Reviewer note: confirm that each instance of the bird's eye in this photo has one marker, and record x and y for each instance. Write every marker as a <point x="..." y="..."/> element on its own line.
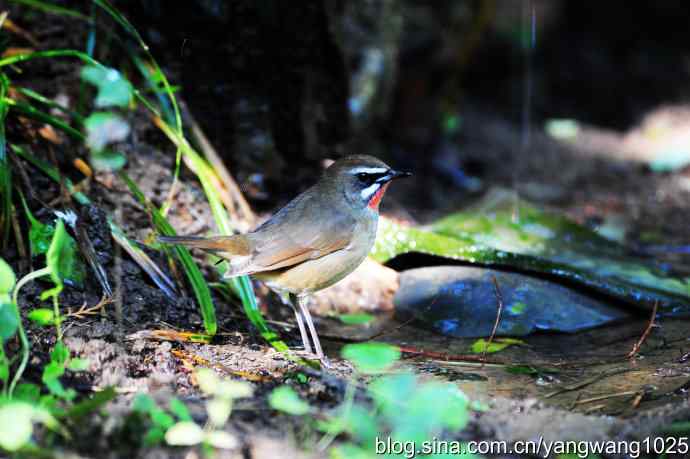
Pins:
<point x="363" y="176"/>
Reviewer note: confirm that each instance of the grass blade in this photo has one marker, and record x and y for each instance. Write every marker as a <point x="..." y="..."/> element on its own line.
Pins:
<point x="5" y="173"/>
<point x="201" y="289"/>
<point x="148" y="265"/>
<point x="52" y="9"/>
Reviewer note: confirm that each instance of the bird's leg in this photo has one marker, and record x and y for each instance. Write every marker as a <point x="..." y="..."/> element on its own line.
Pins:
<point x="293" y="302"/>
<point x="301" y="300"/>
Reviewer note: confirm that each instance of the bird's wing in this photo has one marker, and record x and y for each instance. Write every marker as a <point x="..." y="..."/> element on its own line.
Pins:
<point x="298" y="232"/>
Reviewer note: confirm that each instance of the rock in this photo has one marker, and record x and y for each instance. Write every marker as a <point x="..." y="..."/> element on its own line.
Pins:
<point x="460" y="301"/>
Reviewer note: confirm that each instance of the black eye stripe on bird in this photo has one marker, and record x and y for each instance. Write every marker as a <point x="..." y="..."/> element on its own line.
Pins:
<point x="313" y="242"/>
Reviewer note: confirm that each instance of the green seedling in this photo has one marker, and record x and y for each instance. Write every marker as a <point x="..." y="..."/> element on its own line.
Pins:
<point x="222" y="394"/>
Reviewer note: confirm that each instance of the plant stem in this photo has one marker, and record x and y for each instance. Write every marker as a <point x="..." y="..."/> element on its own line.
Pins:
<point x="22" y="333"/>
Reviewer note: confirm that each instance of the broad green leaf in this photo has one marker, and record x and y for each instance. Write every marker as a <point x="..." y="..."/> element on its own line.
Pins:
<point x="372" y="357"/>
<point x="42" y="316"/>
<point x="356" y="318"/>
<point x="184" y="433"/>
<point x="16" y="425"/>
<point x="540" y="242"/>
<point x="104" y="128"/>
<point x="108" y="160"/>
<point x="285" y="399"/>
<point x="433" y="407"/>
<point x="498" y="344"/>
<point x="9" y="322"/>
<point x="7" y="279"/>
<point x="113" y="89"/>
<point x="388" y="391"/>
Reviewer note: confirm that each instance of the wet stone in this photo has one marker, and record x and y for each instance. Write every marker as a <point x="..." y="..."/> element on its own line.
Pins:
<point x="461" y="301"/>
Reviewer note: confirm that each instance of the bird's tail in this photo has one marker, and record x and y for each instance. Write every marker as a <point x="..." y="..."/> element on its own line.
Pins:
<point x="224" y="246"/>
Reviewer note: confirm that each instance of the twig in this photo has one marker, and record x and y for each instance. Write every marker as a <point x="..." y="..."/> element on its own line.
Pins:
<point x="443" y="356"/>
<point x="636" y="347"/>
<point x="499" y="304"/>
<point x="605" y="397"/>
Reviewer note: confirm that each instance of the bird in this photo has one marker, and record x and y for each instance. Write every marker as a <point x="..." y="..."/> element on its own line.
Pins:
<point x="313" y="242"/>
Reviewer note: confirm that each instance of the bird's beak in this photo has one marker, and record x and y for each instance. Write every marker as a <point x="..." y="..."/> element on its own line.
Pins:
<point x="393" y="174"/>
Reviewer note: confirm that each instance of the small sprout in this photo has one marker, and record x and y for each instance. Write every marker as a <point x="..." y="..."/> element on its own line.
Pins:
<point x="9" y="322"/>
<point x="481" y="345"/>
<point x="42" y="316"/>
<point x="113" y="89"/>
<point x="371" y="358"/>
<point x="356" y="319"/>
<point x="184" y="433"/>
<point x="285" y="399"/>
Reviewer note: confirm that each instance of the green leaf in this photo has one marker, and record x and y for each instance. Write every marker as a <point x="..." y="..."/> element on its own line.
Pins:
<point x="356" y="318"/>
<point x="113" y="89"/>
<point x="9" y="322"/>
<point x="143" y="403"/>
<point x="218" y="410"/>
<point x="184" y="433"/>
<point x="63" y="259"/>
<point x="27" y="392"/>
<point x="59" y="354"/>
<point x="372" y="357"/>
<point x="7" y="278"/>
<point x="40" y="234"/>
<point x="42" y="316"/>
<point x="103" y="128"/>
<point x="16" y="425"/>
<point x="221" y="439"/>
<point x="91" y="404"/>
<point x="539" y="242"/>
<point x="179" y="409"/>
<point x="52" y="372"/>
<point x="234" y="389"/>
<point x="285" y="399"/>
<point x="481" y="345"/>
<point x="161" y="418"/>
<point x="108" y="160"/>
<point x="388" y="391"/>
<point x="434" y="406"/>
<point x="78" y="364"/>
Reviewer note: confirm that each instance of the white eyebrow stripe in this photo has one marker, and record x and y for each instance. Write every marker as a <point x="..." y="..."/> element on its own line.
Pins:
<point x="368" y="170"/>
<point x="369" y="191"/>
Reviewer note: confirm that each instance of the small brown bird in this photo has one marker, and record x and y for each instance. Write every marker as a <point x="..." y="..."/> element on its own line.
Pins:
<point x="313" y="242"/>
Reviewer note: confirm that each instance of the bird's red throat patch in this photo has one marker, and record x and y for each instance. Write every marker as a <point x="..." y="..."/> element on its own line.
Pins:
<point x="376" y="198"/>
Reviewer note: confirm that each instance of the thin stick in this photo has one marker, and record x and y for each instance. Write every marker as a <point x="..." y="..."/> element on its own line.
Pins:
<point x="636" y="347"/>
<point x="442" y="356"/>
<point x="499" y="304"/>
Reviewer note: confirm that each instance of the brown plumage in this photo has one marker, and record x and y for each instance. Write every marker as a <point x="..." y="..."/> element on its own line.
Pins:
<point x="316" y="240"/>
